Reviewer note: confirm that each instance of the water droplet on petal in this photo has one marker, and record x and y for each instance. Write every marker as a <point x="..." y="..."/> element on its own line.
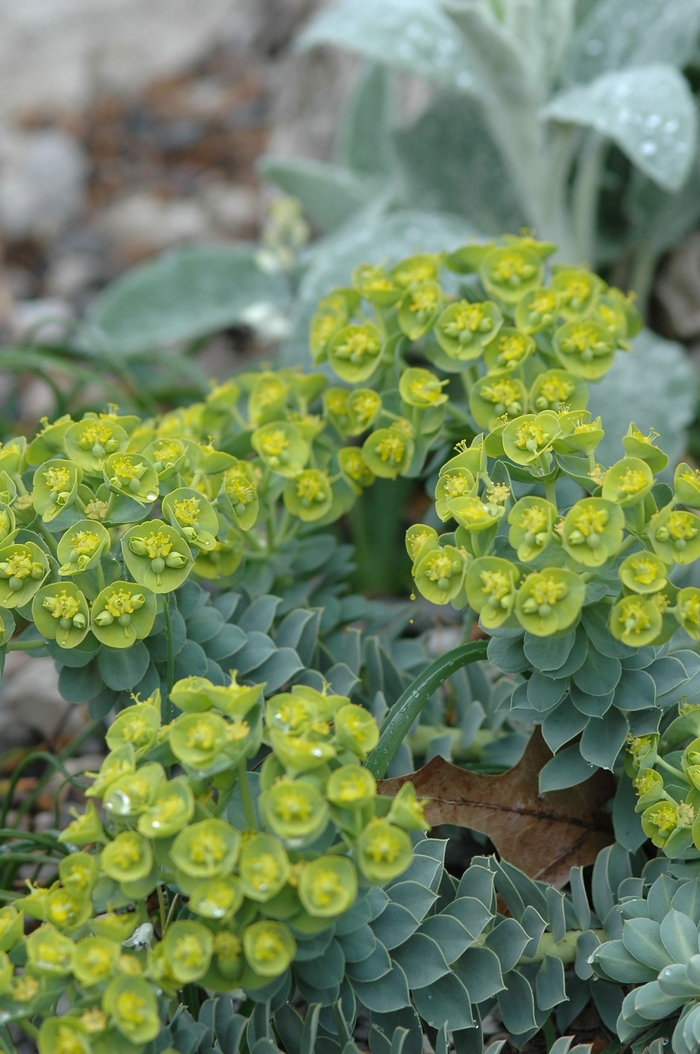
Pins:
<point x="648" y="148"/>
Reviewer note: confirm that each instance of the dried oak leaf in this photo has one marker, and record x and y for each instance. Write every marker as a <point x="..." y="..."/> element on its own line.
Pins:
<point x="542" y="834"/>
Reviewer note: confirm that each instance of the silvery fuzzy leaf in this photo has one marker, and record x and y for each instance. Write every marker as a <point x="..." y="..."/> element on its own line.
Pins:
<point x="329" y="194"/>
<point x="412" y="35"/>
<point x="648" y="111"/>
<point x="620" y="33"/>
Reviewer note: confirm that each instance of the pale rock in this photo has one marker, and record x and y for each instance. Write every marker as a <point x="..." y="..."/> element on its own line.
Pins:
<point x="42" y="182"/>
<point x="143" y="219"/>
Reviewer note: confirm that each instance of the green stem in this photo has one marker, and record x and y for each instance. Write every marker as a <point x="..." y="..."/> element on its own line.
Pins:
<point x="248" y="807"/>
<point x="565" y="949"/>
<point x="672" y="769"/>
<point x="161" y="909"/>
<point x="170" y="675"/>
<point x="407" y="707"/>
<point x="584" y="203"/>
<point x="550" y="492"/>
<point x="26" y="645"/>
<point x="100" y="575"/>
<point x="27" y="1027"/>
<point x="47" y="536"/>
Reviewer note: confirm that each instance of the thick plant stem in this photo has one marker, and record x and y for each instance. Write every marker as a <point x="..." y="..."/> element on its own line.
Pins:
<point x="565" y="949"/>
<point x="26" y="645"/>
<point x="248" y="807"/>
<point x="407" y="707"/>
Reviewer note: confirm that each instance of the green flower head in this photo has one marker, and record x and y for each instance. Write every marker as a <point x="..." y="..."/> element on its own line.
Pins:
<point x="531" y="524"/>
<point x="188" y="948"/>
<point x="490" y="585"/>
<point x="628" y="482"/>
<point x="216" y="898"/>
<point x="122" y="613"/>
<point x="132" y="1008"/>
<point x="238" y="495"/>
<point x="269" y="948"/>
<point x="118" y="927"/>
<point x="407" y="810"/>
<point x="119" y="762"/>
<point x="170" y="811"/>
<point x="50" y="952"/>
<point x="638" y="445"/>
<point x="167" y="455"/>
<point x="55" y="487"/>
<point x="382" y="851"/>
<point x="95" y="960"/>
<point x="295" y="811"/>
<point x="90" y="441"/>
<point x="497" y="397"/>
<point x="65" y="1034"/>
<point x="549" y="601"/>
<point x="388" y="452"/>
<point x="528" y="438"/>
<point x="649" y="786"/>
<point x="377" y="285"/>
<point x="22" y="570"/>
<point x="355" y="352"/>
<point x="421" y="388"/>
<point x="577" y="291"/>
<point x="263" y="867"/>
<point x="508" y="350"/>
<point x="328" y="886"/>
<point x="130" y="795"/>
<point x="356" y="729"/>
<point x="510" y="272"/>
<point x="132" y="475"/>
<point x="11" y="927"/>
<point x="206" y="849"/>
<point x="7" y="522"/>
<point x="268" y="396"/>
<point x="618" y="313"/>
<point x="67" y="910"/>
<point x="687" y="611"/>
<point x="537" y="309"/>
<point x="675" y="535"/>
<point x="586" y="348"/>
<point x="580" y="434"/>
<point x="128" y="858"/>
<point x="558" y="390"/>
<point x="592" y="531"/>
<point x="414" y="270"/>
<point x="635" y="620"/>
<point x="193" y="516"/>
<point x="420" y="539"/>
<point x="137" y="724"/>
<point x="81" y="547"/>
<point x="78" y="872"/>
<point x="281" y="447"/>
<point x="223" y="559"/>
<point x="354" y="469"/>
<point x="157" y="556"/>
<point x="351" y="787"/>
<point x="475" y="514"/>
<point x="309" y="495"/>
<point x="643" y="572"/>
<point x="439" y="573"/>
<point x="84" y="829"/>
<point x="61" y="613"/>
<point x="420" y="308"/>
<point x="303" y="752"/>
<point x="686" y="484"/>
<point x="464" y="329"/>
<point x="452" y="485"/>
<point x="659" y="821"/>
<point x="332" y="313"/>
<point x="197" y="739"/>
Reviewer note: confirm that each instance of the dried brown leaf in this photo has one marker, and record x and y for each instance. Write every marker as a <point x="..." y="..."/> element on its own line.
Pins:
<point x="544" y="835"/>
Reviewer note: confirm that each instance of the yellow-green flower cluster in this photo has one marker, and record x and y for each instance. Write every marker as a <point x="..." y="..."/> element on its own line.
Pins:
<point x="665" y="772"/>
<point x="246" y="867"/>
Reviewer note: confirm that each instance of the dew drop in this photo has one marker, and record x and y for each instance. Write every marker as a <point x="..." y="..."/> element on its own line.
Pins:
<point x="653" y="121"/>
<point x="670" y="127"/>
<point x="648" y="148"/>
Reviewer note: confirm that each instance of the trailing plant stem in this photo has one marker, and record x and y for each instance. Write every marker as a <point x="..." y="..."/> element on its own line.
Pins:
<point x="407" y="707"/>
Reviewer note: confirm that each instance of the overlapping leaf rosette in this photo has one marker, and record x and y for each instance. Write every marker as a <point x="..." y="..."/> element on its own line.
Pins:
<point x="194" y="870"/>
